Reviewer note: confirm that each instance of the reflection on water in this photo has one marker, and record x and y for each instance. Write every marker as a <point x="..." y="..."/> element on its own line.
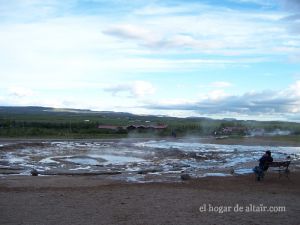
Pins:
<point x="135" y="160"/>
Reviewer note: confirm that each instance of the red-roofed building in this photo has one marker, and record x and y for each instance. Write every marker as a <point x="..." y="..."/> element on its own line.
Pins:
<point x="109" y="127"/>
<point x="133" y="127"/>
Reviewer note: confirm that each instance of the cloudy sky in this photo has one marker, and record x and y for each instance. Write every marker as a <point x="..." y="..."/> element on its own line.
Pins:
<point x="230" y="58"/>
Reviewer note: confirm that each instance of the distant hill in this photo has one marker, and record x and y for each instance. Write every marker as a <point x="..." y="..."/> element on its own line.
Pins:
<point x="15" y="111"/>
<point x="45" y="121"/>
<point x="37" y="110"/>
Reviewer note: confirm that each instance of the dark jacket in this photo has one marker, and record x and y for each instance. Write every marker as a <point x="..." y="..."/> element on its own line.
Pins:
<point x="263" y="162"/>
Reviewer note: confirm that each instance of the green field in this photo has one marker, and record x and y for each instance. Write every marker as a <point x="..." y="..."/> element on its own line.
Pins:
<point x="33" y="122"/>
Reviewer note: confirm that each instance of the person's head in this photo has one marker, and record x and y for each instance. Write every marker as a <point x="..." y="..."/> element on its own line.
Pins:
<point x="268" y="153"/>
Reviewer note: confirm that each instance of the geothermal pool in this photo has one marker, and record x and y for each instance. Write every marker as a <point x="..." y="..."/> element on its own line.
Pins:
<point x="134" y="160"/>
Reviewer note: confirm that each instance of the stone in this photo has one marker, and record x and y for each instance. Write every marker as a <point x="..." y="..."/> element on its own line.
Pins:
<point x="34" y="172"/>
<point x="150" y="170"/>
<point x="185" y="176"/>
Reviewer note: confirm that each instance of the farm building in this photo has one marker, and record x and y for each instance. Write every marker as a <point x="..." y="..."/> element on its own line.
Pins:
<point x="133" y="127"/>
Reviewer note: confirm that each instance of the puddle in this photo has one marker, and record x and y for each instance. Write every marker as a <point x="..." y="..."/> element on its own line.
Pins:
<point x="216" y="175"/>
<point x="243" y="171"/>
<point x="83" y="161"/>
<point x="12" y="159"/>
<point x="117" y="159"/>
<point x="82" y="168"/>
<point x="48" y="160"/>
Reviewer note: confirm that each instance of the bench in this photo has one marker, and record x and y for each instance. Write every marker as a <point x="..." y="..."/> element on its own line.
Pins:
<point x="281" y="166"/>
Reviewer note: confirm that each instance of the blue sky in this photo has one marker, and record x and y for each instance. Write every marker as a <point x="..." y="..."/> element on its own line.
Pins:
<point x="232" y="58"/>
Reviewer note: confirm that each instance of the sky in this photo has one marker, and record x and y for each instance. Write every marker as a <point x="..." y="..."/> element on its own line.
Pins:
<point x="219" y="59"/>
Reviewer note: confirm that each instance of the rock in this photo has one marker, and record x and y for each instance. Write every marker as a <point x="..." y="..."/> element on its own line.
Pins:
<point x="176" y="168"/>
<point x="134" y="164"/>
<point x="185" y="177"/>
<point x="145" y="171"/>
<point x="34" y="172"/>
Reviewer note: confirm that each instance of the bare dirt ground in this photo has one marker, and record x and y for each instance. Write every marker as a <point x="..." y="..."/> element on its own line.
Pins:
<point x="96" y="200"/>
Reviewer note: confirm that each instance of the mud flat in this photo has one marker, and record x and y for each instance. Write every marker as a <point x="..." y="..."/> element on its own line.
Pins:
<point x="250" y="140"/>
<point x="136" y="160"/>
<point x="94" y="200"/>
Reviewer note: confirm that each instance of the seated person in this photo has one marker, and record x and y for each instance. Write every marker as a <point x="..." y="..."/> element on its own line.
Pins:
<point x="263" y="165"/>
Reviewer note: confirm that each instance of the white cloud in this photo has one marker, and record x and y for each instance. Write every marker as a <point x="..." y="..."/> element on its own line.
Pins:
<point x="69" y="49"/>
<point x="134" y="89"/>
<point x="221" y="84"/>
<point x="55" y="50"/>
<point x="242" y="33"/>
<point x="129" y="31"/>
<point x="73" y="48"/>
<point x="295" y="89"/>
<point x="20" y="92"/>
<point x="216" y="95"/>
<point x="268" y="104"/>
<point x="214" y="89"/>
<point x="217" y="102"/>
